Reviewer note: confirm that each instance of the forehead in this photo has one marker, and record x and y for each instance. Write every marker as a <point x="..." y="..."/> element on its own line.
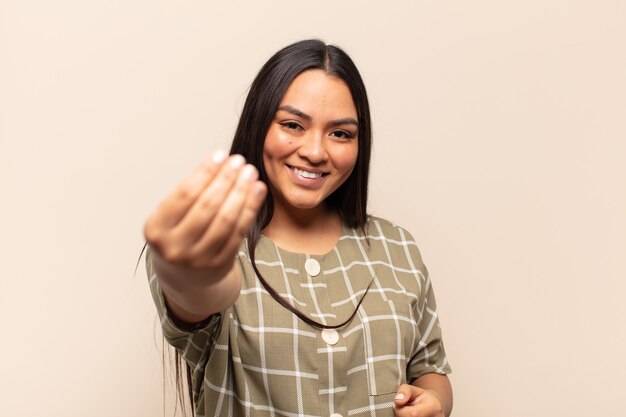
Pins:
<point x="319" y="94"/>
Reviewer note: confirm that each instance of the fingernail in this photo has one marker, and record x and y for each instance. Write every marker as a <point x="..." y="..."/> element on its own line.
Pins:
<point x="219" y="156"/>
<point x="237" y="161"/>
<point x="400" y="396"/>
<point x="248" y="172"/>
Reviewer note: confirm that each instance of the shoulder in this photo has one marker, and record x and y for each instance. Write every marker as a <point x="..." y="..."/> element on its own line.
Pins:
<point x="261" y="246"/>
<point x="378" y="226"/>
<point x="395" y="239"/>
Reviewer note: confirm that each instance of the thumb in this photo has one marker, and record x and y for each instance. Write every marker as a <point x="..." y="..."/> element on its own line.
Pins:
<point x="405" y="394"/>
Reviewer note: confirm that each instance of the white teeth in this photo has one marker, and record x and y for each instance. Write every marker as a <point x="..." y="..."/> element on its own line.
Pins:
<point x="306" y="174"/>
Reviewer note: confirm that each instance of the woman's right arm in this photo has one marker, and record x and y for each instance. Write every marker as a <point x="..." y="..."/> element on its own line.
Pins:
<point x="195" y="234"/>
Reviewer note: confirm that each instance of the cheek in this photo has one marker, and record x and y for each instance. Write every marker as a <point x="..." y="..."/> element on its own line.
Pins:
<point x="271" y="148"/>
<point x="277" y="145"/>
<point x="345" y="158"/>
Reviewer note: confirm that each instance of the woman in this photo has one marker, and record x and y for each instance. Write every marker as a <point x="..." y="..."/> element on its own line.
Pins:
<point x="281" y="294"/>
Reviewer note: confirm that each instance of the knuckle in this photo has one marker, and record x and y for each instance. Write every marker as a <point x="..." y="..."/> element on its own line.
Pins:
<point x="229" y="219"/>
<point x="152" y="233"/>
<point x="207" y="204"/>
<point x="174" y="254"/>
<point x="185" y="192"/>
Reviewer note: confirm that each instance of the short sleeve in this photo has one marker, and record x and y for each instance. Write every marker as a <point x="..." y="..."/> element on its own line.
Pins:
<point x="193" y="342"/>
<point x="430" y="355"/>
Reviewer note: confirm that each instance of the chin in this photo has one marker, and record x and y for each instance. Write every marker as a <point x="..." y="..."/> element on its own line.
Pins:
<point x="304" y="203"/>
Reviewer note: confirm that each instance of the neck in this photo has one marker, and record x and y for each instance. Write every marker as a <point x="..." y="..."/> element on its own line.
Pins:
<point x="313" y="231"/>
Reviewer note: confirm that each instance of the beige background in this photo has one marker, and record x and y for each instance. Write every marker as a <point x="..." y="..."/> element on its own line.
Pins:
<point x="499" y="142"/>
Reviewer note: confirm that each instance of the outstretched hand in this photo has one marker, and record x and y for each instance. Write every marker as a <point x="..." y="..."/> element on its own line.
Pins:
<point x="202" y="223"/>
<point x="412" y="401"/>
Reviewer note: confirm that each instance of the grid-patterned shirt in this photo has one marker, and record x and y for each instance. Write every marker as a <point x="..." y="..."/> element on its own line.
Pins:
<point x="258" y="359"/>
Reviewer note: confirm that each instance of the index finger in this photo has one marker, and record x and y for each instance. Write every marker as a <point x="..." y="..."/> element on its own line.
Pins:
<point x="176" y="205"/>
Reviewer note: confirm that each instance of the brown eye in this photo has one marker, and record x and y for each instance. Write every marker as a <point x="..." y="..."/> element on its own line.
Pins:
<point x="342" y="134"/>
<point x="291" y="125"/>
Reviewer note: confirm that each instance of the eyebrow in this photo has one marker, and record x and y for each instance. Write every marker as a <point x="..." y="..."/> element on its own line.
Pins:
<point x="336" y="122"/>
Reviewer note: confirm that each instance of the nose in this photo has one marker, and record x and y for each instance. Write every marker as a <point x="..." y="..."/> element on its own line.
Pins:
<point x="313" y="148"/>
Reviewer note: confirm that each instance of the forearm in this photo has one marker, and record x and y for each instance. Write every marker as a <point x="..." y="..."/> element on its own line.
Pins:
<point x="193" y="294"/>
<point x="440" y="386"/>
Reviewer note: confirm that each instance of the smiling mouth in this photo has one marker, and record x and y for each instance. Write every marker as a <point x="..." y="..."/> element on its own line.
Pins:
<point x="306" y="174"/>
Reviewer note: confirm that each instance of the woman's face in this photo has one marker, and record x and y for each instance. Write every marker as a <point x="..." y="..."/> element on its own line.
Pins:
<point x="311" y="146"/>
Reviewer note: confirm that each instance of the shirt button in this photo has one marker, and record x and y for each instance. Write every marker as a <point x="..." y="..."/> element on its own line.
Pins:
<point x="336" y="415"/>
<point x="312" y="267"/>
<point x="330" y="336"/>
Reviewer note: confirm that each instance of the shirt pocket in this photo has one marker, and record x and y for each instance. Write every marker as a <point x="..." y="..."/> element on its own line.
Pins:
<point x="390" y="332"/>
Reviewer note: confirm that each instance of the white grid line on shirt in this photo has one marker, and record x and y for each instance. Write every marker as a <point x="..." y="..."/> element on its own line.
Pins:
<point x="396" y="318"/>
<point x="253" y="290"/>
<point x="370" y="263"/>
<point x="366" y="327"/>
<point x="262" y="329"/>
<point x="372" y="407"/>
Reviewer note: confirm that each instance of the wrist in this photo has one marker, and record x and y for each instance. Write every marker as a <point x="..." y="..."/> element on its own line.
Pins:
<point x="182" y="278"/>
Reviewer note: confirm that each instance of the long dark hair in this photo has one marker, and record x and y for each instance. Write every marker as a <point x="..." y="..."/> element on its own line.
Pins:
<point x="265" y="95"/>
